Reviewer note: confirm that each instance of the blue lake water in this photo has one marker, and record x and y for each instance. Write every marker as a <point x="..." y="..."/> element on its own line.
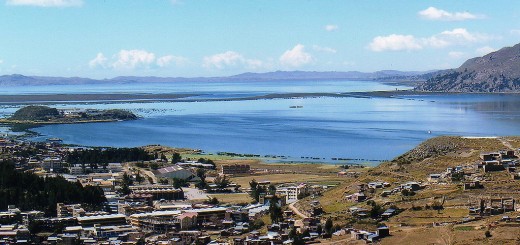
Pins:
<point x="324" y="127"/>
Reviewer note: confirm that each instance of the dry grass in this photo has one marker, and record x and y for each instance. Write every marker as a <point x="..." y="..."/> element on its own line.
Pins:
<point x="286" y="178"/>
<point x="233" y="198"/>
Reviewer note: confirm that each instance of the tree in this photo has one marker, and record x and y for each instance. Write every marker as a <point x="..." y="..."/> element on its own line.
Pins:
<point x="178" y="183"/>
<point x="272" y="189"/>
<point x="213" y="201"/>
<point x="275" y="212"/>
<point x="139" y="178"/>
<point x="163" y="157"/>
<point x="376" y="210"/>
<point x="222" y="181"/>
<point x="154" y="166"/>
<point x="328" y="226"/>
<point x="176" y="157"/>
<point x="201" y="173"/>
<point x="125" y="184"/>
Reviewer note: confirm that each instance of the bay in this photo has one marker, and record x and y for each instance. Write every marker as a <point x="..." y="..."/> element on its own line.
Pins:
<point x="327" y="128"/>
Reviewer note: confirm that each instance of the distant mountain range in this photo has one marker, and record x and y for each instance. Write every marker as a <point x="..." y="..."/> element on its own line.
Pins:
<point x="495" y="72"/>
<point x="387" y="75"/>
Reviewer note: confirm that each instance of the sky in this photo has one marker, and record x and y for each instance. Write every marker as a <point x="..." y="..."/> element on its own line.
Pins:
<point x="191" y="38"/>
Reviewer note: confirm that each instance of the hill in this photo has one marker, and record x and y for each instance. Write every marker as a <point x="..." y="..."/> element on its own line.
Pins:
<point x="45" y="114"/>
<point x="495" y="72"/>
<point x="19" y="80"/>
<point x="38" y="113"/>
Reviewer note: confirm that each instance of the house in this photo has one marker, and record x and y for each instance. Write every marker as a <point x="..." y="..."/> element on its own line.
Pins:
<point x="472" y="185"/>
<point x="388" y="213"/>
<point x="356" y="197"/>
<point x="434" y="178"/>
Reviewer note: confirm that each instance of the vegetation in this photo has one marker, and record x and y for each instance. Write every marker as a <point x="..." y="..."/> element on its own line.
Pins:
<point x="201" y="173"/>
<point x="29" y="192"/>
<point x="40" y="114"/>
<point x="103" y="156"/>
<point x="176" y="157"/>
<point x="125" y="184"/>
<point x="37" y="113"/>
<point x="256" y="190"/>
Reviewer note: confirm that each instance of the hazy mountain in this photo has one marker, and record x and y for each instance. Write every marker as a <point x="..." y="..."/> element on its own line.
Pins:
<point x="495" y="72"/>
<point x="16" y="79"/>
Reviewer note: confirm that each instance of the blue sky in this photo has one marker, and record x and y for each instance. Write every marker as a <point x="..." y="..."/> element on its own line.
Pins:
<point x="108" y="38"/>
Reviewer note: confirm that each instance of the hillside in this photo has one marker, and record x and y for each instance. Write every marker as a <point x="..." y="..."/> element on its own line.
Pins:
<point x="19" y="80"/>
<point x="495" y="72"/>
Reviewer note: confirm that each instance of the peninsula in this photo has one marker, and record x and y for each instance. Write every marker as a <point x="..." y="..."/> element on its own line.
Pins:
<point x="38" y="115"/>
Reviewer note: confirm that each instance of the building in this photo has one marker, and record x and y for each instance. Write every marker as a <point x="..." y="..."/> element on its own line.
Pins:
<point x="232" y="169"/>
<point x="158" y="192"/>
<point x="69" y="210"/>
<point x="161" y="222"/>
<point x="292" y="192"/>
<point x="175" y="172"/>
<point x="111" y="219"/>
<point x="52" y="164"/>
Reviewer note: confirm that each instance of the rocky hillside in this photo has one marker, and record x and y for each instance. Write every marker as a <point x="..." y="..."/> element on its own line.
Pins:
<point x="495" y="72"/>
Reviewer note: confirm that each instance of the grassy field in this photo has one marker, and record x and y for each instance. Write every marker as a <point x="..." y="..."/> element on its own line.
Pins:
<point x="233" y="198"/>
<point x="287" y="178"/>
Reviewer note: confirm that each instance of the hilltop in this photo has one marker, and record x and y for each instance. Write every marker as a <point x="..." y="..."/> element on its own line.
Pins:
<point x="495" y="72"/>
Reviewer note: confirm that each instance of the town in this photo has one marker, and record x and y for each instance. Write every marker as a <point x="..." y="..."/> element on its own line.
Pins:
<point x="159" y="195"/>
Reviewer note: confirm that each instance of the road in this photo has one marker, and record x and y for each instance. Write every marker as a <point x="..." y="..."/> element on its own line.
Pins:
<point x="296" y="211"/>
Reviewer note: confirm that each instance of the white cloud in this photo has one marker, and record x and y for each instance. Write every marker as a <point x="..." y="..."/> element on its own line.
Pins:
<point x="168" y="59"/>
<point x="324" y="49"/>
<point x="1" y="62"/>
<point x="222" y="60"/>
<point x="462" y="35"/>
<point x="130" y="59"/>
<point x="135" y="58"/>
<point x="331" y="27"/>
<point x="230" y="59"/>
<point x="46" y="3"/>
<point x="394" y="42"/>
<point x="433" y="13"/>
<point x="296" y="57"/>
<point x="456" y="54"/>
<point x="100" y="60"/>
<point x="485" y="50"/>
<point x="397" y="42"/>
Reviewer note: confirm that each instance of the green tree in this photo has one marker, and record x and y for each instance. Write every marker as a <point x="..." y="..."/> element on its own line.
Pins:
<point x="275" y="211"/>
<point x="139" y="178"/>
<point x="201" y="173"/>
<point x="126" y="182"/>
<point x="163" y="157"/>
<point x="178" y="183"/>
<point x="176" y="157"/>
<point x="328" y="226"/>
<point x="222" y="181"/>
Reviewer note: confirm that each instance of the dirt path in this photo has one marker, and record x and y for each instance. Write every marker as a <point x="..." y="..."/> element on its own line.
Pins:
<point x="296" y="211"/>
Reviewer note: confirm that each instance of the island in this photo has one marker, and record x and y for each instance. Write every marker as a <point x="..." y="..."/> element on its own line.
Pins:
<point x="38" y="115"/>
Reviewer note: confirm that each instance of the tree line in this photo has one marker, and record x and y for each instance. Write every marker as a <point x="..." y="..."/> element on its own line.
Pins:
<point x="107" y="155"/>
<point x="28" y="191"/>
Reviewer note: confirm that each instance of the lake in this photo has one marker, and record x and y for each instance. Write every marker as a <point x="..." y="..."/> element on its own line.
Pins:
<point x="319" y="127"/>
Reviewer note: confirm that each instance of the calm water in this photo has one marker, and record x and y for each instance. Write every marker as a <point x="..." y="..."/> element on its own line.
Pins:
<point x="356" y="128"/>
